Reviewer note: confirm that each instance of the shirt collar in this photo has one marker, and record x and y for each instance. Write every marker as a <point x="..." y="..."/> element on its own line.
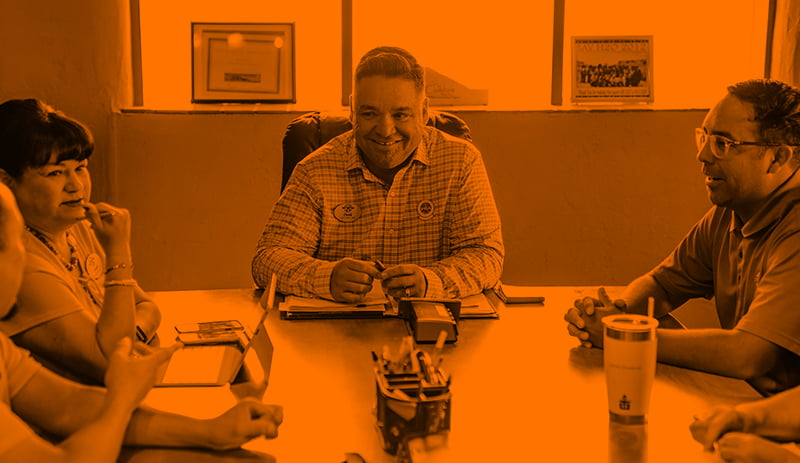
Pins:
<point x="420" y="155"/>
<point x="783" y="199"/>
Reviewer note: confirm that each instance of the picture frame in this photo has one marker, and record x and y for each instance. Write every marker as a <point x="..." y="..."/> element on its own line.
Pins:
<point x="243" y="63"/>
<point x="612" y="69"/>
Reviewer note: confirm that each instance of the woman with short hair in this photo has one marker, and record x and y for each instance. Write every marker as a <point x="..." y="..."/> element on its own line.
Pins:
<point x="78" y="298"/>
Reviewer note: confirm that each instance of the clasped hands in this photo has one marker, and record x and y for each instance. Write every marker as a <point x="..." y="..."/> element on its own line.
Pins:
<point x="584" y="319"/>
<point x="726" y="429"/>
<point x="351" y="280"/>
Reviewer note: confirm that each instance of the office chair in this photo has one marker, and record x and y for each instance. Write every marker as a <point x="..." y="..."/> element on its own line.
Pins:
<point x="309" y="131"/>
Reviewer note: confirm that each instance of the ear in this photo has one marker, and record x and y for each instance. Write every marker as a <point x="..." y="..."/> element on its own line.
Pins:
<point x="352" y="111"/>
<point x="425" y="110"/>
<point x="782" y="155"/>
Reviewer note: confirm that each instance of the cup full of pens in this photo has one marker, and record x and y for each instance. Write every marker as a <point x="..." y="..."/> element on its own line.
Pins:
<point x="413" y="393"/>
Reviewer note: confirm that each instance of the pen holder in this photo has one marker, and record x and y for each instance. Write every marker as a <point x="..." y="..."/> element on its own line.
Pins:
<point x="410" y="405"/>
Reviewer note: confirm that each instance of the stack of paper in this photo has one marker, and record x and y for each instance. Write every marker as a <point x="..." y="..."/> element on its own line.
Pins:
<point x="374" y="305"/>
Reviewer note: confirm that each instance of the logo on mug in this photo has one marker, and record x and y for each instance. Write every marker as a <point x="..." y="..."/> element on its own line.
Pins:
<point x="624" y="403"/>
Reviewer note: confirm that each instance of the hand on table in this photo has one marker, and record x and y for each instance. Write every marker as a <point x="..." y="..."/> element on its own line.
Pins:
<point x="584" y="320"/>
<point x="352" y="279"/>
<point x="247" y="420"/>
<point x="711" y="426"/>
<point x="741" y="447"/>
<point x="404" y="280"/>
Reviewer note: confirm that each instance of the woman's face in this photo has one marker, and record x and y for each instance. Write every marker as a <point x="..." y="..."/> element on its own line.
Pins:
<point x="52" y="197"/>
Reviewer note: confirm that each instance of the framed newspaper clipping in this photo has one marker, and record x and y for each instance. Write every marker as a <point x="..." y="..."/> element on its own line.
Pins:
<point x="612" y="69"/>
<point x="243" y="63"/>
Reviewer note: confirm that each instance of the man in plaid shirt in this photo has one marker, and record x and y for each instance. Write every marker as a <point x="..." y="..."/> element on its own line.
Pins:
<point x="391" y="200"/>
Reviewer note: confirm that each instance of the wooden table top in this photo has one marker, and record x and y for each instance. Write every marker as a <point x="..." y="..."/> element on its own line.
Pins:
<point x="523" y="390"/>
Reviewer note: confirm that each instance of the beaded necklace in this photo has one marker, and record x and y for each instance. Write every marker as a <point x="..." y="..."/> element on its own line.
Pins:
<point x="73" y="259"/>
<point x="86" y="281"/>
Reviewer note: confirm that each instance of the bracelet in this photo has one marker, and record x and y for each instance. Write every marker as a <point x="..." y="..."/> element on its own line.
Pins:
<point x="130" y="282"/>
<point x="118" y="267"/>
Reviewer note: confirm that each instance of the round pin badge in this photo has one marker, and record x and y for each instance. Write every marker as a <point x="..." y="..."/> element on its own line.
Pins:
<point x="94" y="266"/>
<point x="347" y="212"/>
<point x="425" y="209"/>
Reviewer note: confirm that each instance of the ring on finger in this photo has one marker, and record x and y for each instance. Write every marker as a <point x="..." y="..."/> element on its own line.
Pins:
<point x="407" y="290"/>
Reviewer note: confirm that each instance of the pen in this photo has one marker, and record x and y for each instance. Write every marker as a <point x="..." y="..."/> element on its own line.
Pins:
<point x="437" y="350"/>
<point x="425" y="366"/>
<point x="379" y="265"/>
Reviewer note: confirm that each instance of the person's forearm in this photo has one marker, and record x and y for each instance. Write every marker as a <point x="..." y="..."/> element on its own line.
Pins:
<point x="101" y="439"/>
<point x="148" y="318"/>
<point x="636" y="293"/>
<point x="710" y="350"/>
<point x="295" y="271"/>
<point x="118" y="317"/>
<point x="777" y="417"/>
<point x="156" y="428"/>
<point x="469" y="271"/>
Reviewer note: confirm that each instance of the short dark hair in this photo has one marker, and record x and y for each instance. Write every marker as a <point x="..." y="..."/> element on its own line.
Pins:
<point x="391" y="62"/>
<point x="777" y="108"/>
<point x="31" y="132"/>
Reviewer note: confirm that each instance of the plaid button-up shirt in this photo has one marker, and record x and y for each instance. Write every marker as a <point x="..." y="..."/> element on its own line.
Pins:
<point x="439" y="213"/>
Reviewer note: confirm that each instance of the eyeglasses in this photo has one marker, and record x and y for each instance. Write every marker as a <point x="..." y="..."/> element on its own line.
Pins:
<point x="720" y="145"/>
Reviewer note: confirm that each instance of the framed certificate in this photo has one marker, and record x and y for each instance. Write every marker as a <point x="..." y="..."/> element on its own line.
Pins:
<point x="243" y="63"/>
<point x="615" y="69"/>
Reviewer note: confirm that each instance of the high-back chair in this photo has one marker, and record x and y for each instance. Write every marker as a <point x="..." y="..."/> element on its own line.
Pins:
<point x="308" y="132"/>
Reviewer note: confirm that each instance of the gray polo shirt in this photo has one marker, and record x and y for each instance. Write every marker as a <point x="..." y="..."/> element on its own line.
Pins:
<point x="753" y="272"/>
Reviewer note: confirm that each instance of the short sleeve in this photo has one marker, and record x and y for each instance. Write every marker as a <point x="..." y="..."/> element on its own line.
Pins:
<point x="43" y="297"/>
<point x="15" y="431"/>
<point x="16" y="369"/>
<point x="774" y="313"/>
<point x="688" y="271"/>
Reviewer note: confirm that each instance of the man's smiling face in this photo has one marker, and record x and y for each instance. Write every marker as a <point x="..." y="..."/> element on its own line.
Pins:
<point x="389" y="116"/>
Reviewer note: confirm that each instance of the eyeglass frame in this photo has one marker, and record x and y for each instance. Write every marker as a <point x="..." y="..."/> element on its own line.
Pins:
<point x="699" y="133"/>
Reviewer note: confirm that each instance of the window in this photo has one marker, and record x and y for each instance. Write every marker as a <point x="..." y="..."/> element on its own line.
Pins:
<point x="503" y="46"/>
<point x="699" y="47"/>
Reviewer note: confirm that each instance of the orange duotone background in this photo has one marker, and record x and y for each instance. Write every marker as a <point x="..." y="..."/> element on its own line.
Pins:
<point x="586" y="198"/>
<point x="504" y="46"/>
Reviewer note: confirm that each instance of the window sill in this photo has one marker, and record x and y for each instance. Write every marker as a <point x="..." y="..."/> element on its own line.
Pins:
<point x="264" y="108"/>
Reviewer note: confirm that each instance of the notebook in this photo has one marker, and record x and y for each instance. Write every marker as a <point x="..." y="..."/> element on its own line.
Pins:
<point x="218" y="364"/>
<point x="374" y="305"/>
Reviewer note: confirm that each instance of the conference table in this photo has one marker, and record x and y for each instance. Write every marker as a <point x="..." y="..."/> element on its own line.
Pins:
<point x="522" y="389"/>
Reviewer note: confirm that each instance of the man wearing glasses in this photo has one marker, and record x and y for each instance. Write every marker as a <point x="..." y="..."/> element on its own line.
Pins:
<point x="745" y="252"/>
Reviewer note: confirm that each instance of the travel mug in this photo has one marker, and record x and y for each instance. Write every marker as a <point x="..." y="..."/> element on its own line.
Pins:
<point x="629" y="359"/>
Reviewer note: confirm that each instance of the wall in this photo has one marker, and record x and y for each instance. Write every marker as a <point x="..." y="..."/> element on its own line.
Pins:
<point x="75" y="56"/>
<point x="585" y="197"/>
